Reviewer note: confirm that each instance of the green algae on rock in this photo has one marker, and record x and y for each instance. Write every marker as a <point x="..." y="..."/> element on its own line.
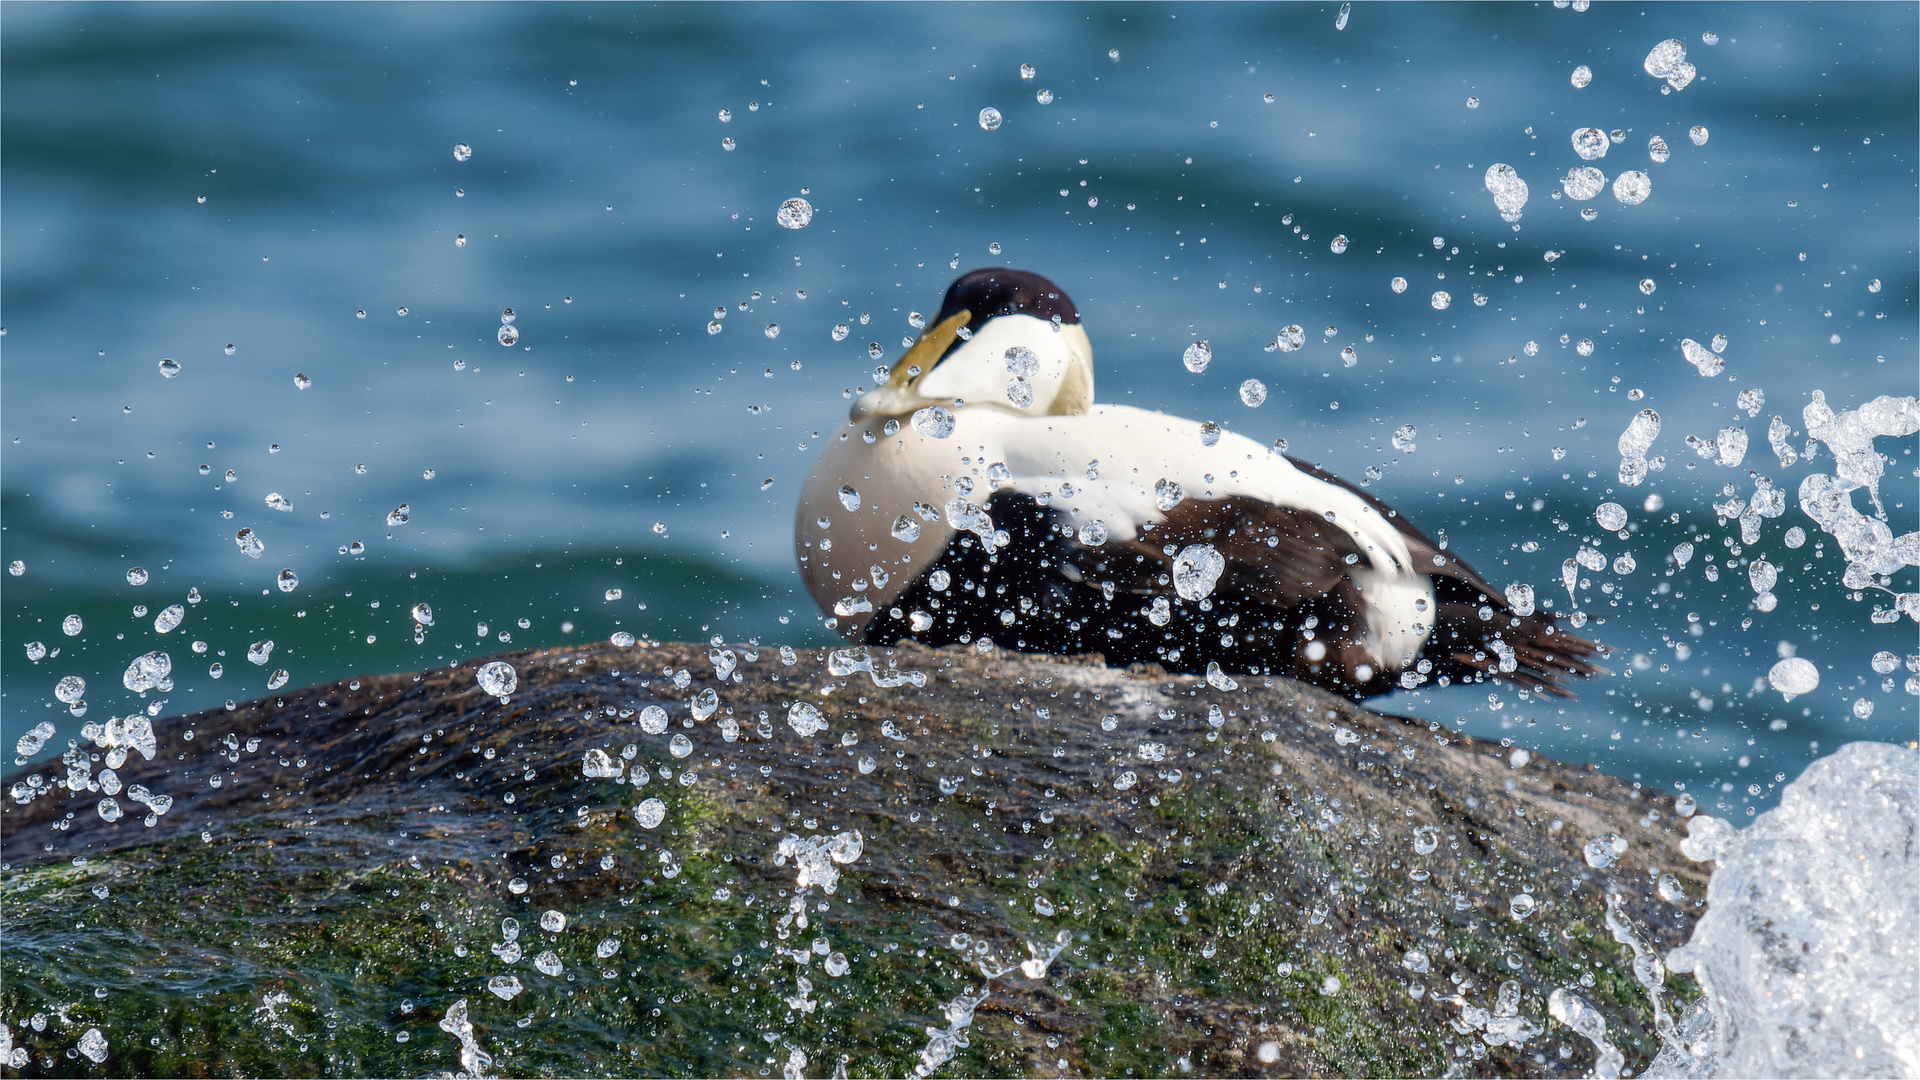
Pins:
<point x="980" y="864"/>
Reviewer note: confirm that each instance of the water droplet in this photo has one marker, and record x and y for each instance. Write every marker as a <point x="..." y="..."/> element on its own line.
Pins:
<point x="93" y="1045"/>
<point x="1209" y="433"/>
<point x="933" y="421"/>
<point x="795" y="214"/>
<point x="1340" y="20"/>
<point x="1398" y="284"/>
<point x="462" y="152"/>
<point x="1708" y="362"/>
<point x="1167" y="494"/>
<point x="71" y="626"/>
<point x="278" y="679"/>
<point x="1582" y="77"/>
<point x="650" y="813"/>
<point x="70" y="689"/>
<point x="288" y="581"/>
<point x="1509" y="191"/>
<point x="1647" y="286"/>
<point x="136" y="576"/>
<point x="805" y="720"/>
<point x="905" y="529"/>
<point x="1349" y="357"/>
<point x="1253" y="393"/>
<point x="1794" y="676"/>
<point x="1339" y="244"/>
<point x="728" y="144"/>
<point x="849" y="498"/>
<point x="1584" y="347"/>
<point x="1670" y="889"/>
<point x="497" y="678"/>
<point x="169" y="368"/>
<point x="1520" y="599"/>
<point x="1425" y="839"/>
<point x="147" y="672"/>
<point x="993" y="248"/>
<point x="1020" y="392"/>
<point x="1441" y="300"/>
<point x="773" y="330"/>
<point x="1698" y="133"/>
<point x="1521" y="905"/>
<point x="1044" y="97"/>
<point x="1291" y="338"/>
<point x="1632" y="187"/>
<point x="1666" y="59"/>
<point x="1583" y="183"/>
<point x="989" y="119"/>
<point x="1196" y="569"/>
<point x="509" y="335"/>
<point x="1604" y="850"/>
<point x="1026" y="71"/>
<point x="1197" y="356"/>
<point x="399" y="515"/>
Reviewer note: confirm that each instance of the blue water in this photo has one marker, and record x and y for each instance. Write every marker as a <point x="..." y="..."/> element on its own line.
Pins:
<point x="600" y="205"/>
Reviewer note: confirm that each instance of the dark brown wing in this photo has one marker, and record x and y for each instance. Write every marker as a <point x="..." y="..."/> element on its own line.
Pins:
<point x="1545" y="656"/>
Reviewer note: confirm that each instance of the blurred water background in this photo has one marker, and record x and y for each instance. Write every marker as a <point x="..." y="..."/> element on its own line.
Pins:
<point x="232" y="186"/>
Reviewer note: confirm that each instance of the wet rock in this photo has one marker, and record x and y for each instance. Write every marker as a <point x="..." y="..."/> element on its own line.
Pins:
<point x="1237" y="897"/>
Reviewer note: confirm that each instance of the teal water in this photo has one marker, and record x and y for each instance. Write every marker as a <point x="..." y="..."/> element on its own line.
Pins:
<point x="600" y="205"/>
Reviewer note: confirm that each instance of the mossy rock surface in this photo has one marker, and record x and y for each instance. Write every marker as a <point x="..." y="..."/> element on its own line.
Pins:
<point x="345" y="883"/>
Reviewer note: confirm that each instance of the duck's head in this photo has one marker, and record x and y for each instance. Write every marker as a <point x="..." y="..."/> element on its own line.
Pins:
<point x="1009" y="339"/>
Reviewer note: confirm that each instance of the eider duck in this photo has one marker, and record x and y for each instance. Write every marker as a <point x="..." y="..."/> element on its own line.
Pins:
<point x="980" y="493"/>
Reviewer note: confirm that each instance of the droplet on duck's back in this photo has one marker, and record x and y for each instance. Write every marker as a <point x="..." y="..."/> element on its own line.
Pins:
<point x="1019" y="392"/>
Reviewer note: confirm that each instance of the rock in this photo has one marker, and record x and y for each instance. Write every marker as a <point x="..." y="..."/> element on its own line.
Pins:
<point x="1241" y="902"/>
